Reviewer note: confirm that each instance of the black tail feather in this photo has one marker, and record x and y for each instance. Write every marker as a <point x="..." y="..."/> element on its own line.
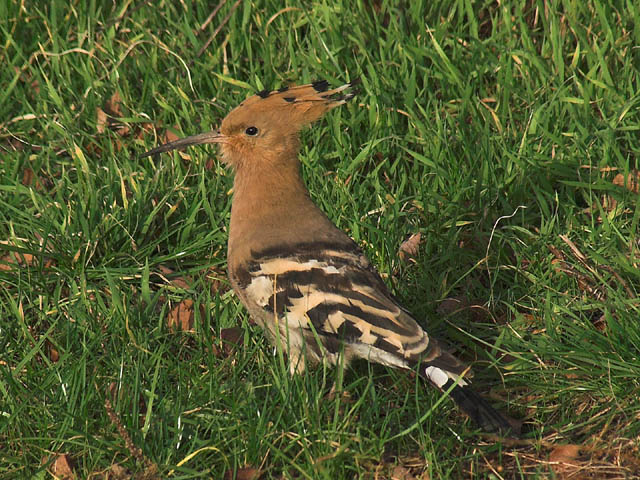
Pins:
<point x="483" y="414"/>
<point x="479" y="410"/>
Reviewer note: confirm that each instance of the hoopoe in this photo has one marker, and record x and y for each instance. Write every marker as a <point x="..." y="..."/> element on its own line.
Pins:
<point x="302" y="279"/>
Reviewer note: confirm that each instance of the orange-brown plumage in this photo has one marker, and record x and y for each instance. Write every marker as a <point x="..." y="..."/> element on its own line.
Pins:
<point x="301" y="278"/>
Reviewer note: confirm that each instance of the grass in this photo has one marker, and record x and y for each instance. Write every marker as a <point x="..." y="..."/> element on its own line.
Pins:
<point x="507" y="135"/>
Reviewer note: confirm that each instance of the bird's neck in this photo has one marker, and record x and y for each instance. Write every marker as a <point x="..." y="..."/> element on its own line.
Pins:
<point x="260" y="198"/>
<point x="272" y="208"/>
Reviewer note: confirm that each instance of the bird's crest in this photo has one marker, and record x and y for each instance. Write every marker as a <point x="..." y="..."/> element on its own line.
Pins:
<point x="311" y="100"/>
<point x="302" y="104"/>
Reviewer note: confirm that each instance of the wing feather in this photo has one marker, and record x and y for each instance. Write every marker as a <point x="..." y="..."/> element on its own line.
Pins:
<point x="338" y="295"/>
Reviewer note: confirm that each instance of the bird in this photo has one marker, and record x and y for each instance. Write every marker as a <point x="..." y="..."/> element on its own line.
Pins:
<point x="302" y="279"/>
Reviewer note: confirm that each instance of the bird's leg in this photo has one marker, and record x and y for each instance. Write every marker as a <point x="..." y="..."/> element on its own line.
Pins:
<point x="297" y="364"/>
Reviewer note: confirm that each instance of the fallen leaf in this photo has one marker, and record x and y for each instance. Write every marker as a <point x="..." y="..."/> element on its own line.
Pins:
<point x="565" y="461"/>
<point x="401" y="473"/>
<point x="244" y="473"/>
<point x="231" y="339"/>
<point x="557" y="253"/>
<point x="117" y="472"/>
<point x="216" y="279"/>
<point x="565" y="453"/>
<point x="54" y="356"/>
<point x="123" y="130"/>
<point x="182" y="281"/>
<point x="113" y="105"/>
<point x="16" y="258"/>
<point x="598" y="320"/>
<point x="609" y="204"/>
<point x="410" y="247"/>
<point x="181" y="316"/>
<point x="27" y="177"/>
<point x="143" y="129"/>
<point x="560" y="266"/>
<point x="26" y="77"/>
<point x="102" y="120"/>
<point x="15" y="144"/>
<point x="169" y="136"/>
<point x="631" y="182"/>
<point x="62" y="469"/>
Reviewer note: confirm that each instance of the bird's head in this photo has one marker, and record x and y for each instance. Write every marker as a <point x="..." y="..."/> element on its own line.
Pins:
<point x="264" y="127"/>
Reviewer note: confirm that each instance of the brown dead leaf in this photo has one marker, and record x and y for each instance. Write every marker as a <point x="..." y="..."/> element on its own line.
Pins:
<point x="244" y="473"/>
<point x="557" y="253"/>
<point x="400" y="468"/>
<point x="122" y="130"/>
<point x="460" y="303"/>
<point x="16" y="258"/>
<point x="169" y="136"/>
<point x="182" y="281"/>
<point x="215" y="277"/>
<point x="599" y="321"/>
<point x="410" y="247"/>
<point x="25" y="259"/>
<point x="565" y="457"/>
<point x="14" y="144"/>
<point x="54" y="356"/>
<point x="560" y="266"/>
<point x="230" y="339"/>
<point x="181" y="316"/>
<point x="143" y="130"/>
<point x="607" y="203"/>
<point x="401" y="473"/>
<point x="27" y="77"/>
<point x="117" y="472"/>
<point x="102" y="121"/>
<point x="114" y="105"/>
<point x="113" y="108"/>
<point x="62" y="467"/>
<point x="631" y="182"/>
<point x="27" y="177"/>
<point x="565" y="461"/>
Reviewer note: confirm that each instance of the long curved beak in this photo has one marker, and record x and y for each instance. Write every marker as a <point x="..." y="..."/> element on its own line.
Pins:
<point x="202" y="138"/>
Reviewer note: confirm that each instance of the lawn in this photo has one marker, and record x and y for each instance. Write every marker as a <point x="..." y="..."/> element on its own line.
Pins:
<point x="506" y="134"/>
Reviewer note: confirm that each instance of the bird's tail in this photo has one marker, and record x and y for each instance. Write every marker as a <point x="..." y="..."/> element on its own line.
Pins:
<point x="483" y="414"/>
<point x="478" y="409"/>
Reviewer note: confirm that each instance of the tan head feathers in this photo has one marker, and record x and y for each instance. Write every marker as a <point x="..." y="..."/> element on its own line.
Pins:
<point x="268" y="117"/>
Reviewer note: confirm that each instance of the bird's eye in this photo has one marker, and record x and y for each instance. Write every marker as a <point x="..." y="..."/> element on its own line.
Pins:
<point x="251" y="131"/>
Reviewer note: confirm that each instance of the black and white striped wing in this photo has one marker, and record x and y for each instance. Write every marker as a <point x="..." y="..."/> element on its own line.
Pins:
<point x="335" y="295"/>
<point x="334" y="302"/>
